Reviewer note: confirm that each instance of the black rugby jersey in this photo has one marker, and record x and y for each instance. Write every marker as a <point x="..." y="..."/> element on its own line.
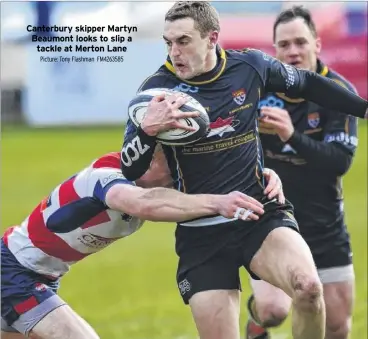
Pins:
<point x="230" y="157"/>
<point x="311" y="163"/>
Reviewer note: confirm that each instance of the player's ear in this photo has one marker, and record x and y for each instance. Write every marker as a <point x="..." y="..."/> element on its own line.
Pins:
<point x="213" y="39"/>
<point x="318" y="46"/>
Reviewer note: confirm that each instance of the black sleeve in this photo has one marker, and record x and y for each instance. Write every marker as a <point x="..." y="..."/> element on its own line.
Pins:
<point x="336" y="151"/>
<point x="280" y="77"/>
<point x="138" y="147"/>
<point x="314" y="87"/>
<point x="329" y="157"/>
<point x="137" y="152"/>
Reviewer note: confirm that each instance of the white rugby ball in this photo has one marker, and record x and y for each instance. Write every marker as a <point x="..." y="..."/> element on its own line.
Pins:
<point x="176" y="137"/>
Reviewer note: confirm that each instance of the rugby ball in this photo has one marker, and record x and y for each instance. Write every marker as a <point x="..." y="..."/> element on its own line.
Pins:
<point x="175" y="137"/>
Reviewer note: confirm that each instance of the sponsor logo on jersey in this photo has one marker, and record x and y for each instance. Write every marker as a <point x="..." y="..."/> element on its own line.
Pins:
<point x="221" y="126"/>
<point x="133" y="150"/>
<point x="291" y="158"/>
<point x="105" y="181"/>
<point x="219" y="144"/>
<point x="182" y="87"/>
<point x="95" y="241"/>
<point x="313" y="119"/>
<point x="271" y="101"/>
<point x="236" y="110"/>
<point x="239" y="96"/>
<point x="342" y="138"/>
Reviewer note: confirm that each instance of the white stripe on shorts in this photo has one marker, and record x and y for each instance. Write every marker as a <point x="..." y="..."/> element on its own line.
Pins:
<point x="207" y="221"/>
<point x="336" y="274"/>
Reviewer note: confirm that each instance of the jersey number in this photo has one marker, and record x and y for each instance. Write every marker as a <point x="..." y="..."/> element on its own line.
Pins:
<point x="132" y="151"/>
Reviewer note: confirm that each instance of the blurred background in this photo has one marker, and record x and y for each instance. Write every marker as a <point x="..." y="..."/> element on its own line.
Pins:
<point x="92" y="88"/>
<point x="55" y="118"/>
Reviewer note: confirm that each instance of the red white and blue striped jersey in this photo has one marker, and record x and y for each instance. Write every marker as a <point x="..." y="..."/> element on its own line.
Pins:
<point x="73" y="221"/>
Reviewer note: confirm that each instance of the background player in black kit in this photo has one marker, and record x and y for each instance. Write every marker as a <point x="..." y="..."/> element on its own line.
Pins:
<point x="229" y="84"/>
<point x="311" y="148"/>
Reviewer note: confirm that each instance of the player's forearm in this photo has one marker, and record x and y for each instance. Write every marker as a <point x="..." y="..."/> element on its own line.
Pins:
<point x="314" y="87"/>
<point x="136" y="154"/>
<point x="161" y="204"/>
<point x="329" y="94"/>
<point x="326" y="156"/>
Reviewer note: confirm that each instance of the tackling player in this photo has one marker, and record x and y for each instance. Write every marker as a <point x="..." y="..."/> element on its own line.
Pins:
<point x="311" y="148"/>
<point x="81" y="216"/>
<point x="229" y="84"/>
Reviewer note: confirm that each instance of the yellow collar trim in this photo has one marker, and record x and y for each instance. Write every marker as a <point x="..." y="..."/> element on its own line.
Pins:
<point x="171" y="68"/>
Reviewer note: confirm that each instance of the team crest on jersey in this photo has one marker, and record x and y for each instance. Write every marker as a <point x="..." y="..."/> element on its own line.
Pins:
<point x="239" y="96"/>
<point x="313" y="119"/>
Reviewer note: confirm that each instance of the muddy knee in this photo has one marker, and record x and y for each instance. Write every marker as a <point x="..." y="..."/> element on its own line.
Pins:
<point x="308" y="294"/>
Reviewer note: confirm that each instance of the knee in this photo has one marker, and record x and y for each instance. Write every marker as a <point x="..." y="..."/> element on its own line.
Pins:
<point x="272" y="315"/>
<point x="338" y="329"/>
<point x="216" y="313"/>
<point x="308" y="294"/>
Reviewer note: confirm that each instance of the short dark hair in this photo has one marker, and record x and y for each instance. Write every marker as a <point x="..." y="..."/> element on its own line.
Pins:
<point x="294" y="13"/>
<point x="203" y="13"/>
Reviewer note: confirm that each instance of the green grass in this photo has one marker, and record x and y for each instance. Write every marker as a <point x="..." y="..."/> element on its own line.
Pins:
<point x="129" y="290"/>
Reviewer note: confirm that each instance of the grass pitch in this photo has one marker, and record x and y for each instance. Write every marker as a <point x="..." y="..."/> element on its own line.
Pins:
<point x="129" y="289"/>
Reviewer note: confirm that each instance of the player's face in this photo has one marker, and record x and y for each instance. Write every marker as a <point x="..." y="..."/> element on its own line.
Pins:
<point x="158" y="175"/>
<point x="296" y="45"/>
<point x="188" y="51"/>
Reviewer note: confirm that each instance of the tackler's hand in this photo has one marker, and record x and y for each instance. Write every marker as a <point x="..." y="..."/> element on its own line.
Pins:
<point x="274" y="186"/>
<point x="239" y="205"/>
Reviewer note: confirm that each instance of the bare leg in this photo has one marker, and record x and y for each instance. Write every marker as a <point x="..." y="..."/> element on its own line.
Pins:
<point x="271" y="304"/>
<point x="285" y="261"/>
<point x="338" y="296"/>
<point x="216" y="314"/>
<point x="62" y="323"/>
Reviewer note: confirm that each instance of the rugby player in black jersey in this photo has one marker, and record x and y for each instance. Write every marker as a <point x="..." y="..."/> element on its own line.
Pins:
<point x="229" y="84"/>
<point x="311" y="148"/>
